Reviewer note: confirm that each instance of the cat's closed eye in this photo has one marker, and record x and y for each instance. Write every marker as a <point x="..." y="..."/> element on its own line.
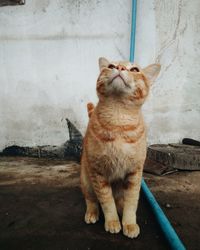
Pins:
<point x="134" y="69"/>
<point x="111" y="66"/>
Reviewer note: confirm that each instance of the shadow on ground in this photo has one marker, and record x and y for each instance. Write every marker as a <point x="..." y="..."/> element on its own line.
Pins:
<point x="42" y="208"/>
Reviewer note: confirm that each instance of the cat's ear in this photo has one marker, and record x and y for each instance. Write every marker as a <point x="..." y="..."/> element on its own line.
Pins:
<point x="103" y="63"/>
<point x="152" y="71"/>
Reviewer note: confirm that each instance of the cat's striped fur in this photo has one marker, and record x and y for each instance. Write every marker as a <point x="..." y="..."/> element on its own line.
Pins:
<point x="114" y="148"/>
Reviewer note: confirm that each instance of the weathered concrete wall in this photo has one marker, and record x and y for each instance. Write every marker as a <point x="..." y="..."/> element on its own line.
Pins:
<point x="48" y="65"/>
<point x="169" y="32"/>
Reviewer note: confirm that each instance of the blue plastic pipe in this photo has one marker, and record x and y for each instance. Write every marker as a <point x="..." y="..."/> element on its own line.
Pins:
<point x="133" y="30"/>
<point x="169" y="232"/>
<point x="167" y="229"/>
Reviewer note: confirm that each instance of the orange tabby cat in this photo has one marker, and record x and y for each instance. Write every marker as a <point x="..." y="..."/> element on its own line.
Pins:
<point x="114" y="148"/>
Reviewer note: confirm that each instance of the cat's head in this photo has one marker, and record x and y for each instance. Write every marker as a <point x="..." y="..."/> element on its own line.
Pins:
<point x="125" y="80"/>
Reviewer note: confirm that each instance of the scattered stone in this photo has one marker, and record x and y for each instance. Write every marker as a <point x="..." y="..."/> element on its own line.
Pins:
<point x="167" y="205"/>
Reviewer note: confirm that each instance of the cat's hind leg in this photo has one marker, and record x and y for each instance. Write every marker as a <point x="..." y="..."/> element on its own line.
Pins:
<point x="92" y="206"/>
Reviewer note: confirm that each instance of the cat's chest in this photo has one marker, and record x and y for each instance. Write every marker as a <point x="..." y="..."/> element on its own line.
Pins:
<point x="117" y="159"/>
<point x="115" y="148"/>
<point x="117" y="129"/>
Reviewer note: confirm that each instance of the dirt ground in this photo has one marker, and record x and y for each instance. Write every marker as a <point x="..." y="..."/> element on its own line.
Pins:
<point x="41" y="207"/>
<point x="179" y="196"/>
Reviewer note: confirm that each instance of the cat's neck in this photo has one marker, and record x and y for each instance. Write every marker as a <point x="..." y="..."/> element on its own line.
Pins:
<point x="117" y="111"/>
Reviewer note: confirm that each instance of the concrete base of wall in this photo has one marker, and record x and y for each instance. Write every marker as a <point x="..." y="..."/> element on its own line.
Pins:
<point x="71" y="149"/>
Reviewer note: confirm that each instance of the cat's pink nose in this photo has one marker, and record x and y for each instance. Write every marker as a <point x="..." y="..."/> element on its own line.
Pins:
<point x="120" y="67"/>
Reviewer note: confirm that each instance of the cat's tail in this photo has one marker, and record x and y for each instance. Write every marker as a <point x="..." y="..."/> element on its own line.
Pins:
<point x="90" y="108"/>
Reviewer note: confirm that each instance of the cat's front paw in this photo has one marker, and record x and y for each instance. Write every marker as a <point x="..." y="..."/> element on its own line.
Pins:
<point x="113" y="226"/>
<point x="91" y="217"/>
<point x="131" y="230"/>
